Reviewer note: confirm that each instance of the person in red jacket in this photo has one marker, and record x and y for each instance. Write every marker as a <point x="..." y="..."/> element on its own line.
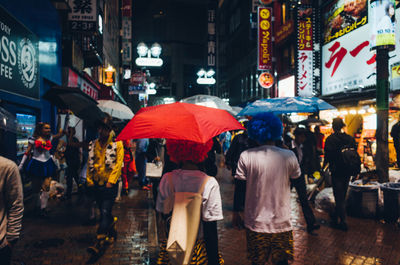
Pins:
<point x="129" y="168"/>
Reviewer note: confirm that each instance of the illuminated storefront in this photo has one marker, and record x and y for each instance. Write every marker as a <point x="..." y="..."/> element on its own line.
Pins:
<point x="348" y="72"/>
<point x="30" y="65"/>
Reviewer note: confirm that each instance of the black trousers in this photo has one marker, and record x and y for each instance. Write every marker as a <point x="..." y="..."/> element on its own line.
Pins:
<point x="5" y="255"/>
<point x="72" y="174"/>
<point x="301" y="189"/>
<point x="340" y="184"/>
<point x="397" y="148"/>
<point x="105" y="198"/>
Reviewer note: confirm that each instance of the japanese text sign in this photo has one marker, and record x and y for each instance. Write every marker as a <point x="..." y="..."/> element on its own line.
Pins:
<point x="305" y="69"/>
<point x="344" y="16"/>
<point x="339" y="59"/>
<point x="211" y="45"/>
<point x="126" y="29"/>
<point x="284" y="31"/>
<point x="126" y="51"/>
<point x="264" y="38"/>
<point x="127" y="8"/>
<point x="83" y="15"/>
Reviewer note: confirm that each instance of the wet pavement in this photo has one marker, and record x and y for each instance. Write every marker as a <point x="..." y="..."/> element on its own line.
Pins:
<point x="64" y="237"/>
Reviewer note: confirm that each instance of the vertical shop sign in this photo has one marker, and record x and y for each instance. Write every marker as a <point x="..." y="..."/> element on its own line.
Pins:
<point x="211" y="44"/>
<point x="126" y="52"/>
<point x="126" y="28"/>
<point x="19" y="60"/>
<point x="305" y="53"/>
<point x="127" y="33"/>
<point x="126" y="8"/>
<point x="83" y="15"/>
<point x="264" y="38"/>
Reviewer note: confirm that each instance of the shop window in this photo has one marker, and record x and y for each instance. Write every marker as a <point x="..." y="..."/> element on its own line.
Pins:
<point x="292" y="56"/>
<point x="25" y="127"/>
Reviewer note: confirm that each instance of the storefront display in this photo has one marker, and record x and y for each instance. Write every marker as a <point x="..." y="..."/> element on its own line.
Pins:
<point x="25" y="127"/>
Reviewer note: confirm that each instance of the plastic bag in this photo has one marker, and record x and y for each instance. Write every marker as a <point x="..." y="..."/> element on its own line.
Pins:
<point x="325" y="200"/>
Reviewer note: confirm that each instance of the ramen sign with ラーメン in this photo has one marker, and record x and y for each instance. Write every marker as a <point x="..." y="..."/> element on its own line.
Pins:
<point x="266" y="80"/>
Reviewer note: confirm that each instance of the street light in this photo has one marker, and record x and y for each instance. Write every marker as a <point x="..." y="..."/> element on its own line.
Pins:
<point x="206" y="78"/>
<point x="145" y="54"/>
<point x="156" y="50"/>
<point x="201" y="73"/>
<point x="210" y="73"/>
<point x="142" y="49"/>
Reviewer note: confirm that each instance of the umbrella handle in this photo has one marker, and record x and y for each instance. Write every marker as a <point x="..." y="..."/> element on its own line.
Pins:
<point x="66" y="122"/>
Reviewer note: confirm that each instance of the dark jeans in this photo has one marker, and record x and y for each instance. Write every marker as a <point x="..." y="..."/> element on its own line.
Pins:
<point x="239" y="195"/>
<point x="397" y="148"/>
<point x="340" y="184"/>
<point x="301" y="189"/>
<point x="72" y="173"/>
<point x="141" y="161"/>
<point x="5" y="255"/>
<point x="156" y="183"/>
<point x="105" y="198"/>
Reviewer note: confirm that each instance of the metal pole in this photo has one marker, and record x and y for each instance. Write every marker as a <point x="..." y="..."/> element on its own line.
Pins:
<point x="382" y="94"/>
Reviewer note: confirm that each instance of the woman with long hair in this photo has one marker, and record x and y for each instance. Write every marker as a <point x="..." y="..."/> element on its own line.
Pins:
<point x="41" y="166"/>
<point x="189" y="178"/>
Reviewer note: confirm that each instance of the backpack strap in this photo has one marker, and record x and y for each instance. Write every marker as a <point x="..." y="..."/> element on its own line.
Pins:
<point x="203" y="185"/>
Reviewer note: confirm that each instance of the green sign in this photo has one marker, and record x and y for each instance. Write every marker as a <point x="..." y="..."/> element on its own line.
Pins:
<point x="19" y="57"/>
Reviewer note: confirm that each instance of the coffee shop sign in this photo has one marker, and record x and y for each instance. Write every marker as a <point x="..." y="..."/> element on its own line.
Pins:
<point x="18" y="57"/>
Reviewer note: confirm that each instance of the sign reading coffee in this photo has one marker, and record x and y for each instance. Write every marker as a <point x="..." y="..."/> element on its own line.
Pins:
<point x="19" y="57"/>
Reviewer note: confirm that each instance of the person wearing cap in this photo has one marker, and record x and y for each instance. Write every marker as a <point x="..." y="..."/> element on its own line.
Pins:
<point x="340" y="179"/>
<point x="103" y="171"/>
<point x="267" y="170"/>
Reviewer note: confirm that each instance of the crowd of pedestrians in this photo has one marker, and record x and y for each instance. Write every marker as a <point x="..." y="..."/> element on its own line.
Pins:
<point x="267" y="160"/>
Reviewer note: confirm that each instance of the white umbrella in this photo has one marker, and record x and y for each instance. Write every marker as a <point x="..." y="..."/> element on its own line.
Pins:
<point x="236" y="109"/>
<point x="209" y="101"/>
<point x="116" y="109"/>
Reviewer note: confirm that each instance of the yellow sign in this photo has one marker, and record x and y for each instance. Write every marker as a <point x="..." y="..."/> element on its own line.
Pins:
<point x="396" y="71"/>
<point x="109" y="76"/>
<point x="264" y="13"/>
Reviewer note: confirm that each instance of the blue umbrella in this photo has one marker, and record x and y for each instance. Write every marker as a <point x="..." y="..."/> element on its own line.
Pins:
<point x="286" y="105"/>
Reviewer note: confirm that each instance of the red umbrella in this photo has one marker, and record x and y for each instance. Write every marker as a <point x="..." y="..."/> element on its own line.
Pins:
<point x="180" y="121"/>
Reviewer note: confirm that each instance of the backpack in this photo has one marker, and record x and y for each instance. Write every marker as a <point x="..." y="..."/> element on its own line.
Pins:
<point x="351" y="160"/>
<point x="184" y="226"/>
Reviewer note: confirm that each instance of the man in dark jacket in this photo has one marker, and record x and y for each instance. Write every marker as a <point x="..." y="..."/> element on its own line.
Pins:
<point x="340" y="178"/>
<point x="240" y="143"/>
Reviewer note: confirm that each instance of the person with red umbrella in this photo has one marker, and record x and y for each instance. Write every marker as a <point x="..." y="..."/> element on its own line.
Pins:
<point x="189" y="178"/>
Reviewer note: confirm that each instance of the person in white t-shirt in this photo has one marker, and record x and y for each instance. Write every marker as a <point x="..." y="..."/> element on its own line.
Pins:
<point x="267" y="170"/>
<point x="189" y="156"/>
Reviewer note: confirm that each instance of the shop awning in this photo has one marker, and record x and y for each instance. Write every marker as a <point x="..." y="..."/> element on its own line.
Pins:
<point x="74" y="99"/>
